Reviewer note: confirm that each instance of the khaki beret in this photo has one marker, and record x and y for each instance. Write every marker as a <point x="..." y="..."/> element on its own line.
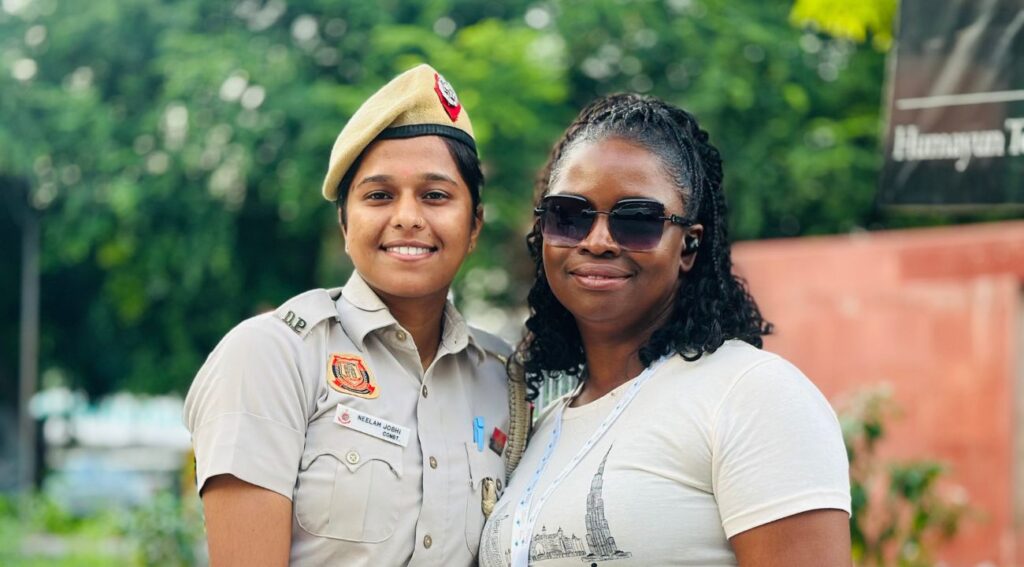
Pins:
<point x="419" y="102"/>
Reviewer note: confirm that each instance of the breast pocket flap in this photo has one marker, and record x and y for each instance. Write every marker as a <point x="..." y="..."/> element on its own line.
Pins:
<point x="357" y="450"/>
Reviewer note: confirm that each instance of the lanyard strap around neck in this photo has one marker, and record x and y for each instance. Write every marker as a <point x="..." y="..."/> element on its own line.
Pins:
<point x="527" y="511"/>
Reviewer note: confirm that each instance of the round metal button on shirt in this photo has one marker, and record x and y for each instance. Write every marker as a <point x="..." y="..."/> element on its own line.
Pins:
<point x="424" y="390"/>
<point x="427" y="541"/>
<point x="352" y="457"/>
<point x="433" y="463"/>
<point x="401" y="336"/>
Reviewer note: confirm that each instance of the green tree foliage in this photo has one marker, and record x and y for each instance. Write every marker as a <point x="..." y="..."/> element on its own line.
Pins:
<point x="174" y="149"/>
<point x="795" y="114"/>
<point x="175" y="152"/>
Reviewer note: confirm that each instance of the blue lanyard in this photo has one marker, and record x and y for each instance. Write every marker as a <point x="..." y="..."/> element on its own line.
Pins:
<point x="523" y="520"/>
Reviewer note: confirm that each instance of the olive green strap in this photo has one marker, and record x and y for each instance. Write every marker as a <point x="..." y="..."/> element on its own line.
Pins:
<point x="519" y="417"/>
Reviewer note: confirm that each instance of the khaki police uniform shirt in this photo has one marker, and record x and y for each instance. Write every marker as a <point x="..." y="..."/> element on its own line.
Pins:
<point x="401" y="482"/>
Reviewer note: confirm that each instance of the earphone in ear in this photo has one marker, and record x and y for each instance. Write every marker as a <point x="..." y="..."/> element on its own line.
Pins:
<point x="692" y="243"/>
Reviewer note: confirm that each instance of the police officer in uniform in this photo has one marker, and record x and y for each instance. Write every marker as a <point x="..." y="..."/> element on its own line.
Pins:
<point x="367" y="424"/>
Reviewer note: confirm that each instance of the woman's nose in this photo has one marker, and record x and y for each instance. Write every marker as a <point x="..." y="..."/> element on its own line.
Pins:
<point x="408" y="213"/>
<point x="599" y="240"/>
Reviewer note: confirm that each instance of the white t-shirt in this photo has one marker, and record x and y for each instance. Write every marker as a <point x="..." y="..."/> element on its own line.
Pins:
<point x="706" y="450"/>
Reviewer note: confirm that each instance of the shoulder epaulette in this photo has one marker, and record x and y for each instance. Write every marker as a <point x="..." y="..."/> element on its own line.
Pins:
<point x="491" y="344"/>
<point x="305" y="311"/>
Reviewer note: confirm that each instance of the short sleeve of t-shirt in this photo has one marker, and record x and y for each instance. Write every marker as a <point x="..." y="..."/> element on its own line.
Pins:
<point x="777" y="450"/>
<point x="246" y="408"/>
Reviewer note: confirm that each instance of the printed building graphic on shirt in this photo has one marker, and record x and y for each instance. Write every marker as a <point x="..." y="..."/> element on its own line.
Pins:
<point x="555" y="545"/>
<point x="599" y="537"/>
<point x="599" y="542"/>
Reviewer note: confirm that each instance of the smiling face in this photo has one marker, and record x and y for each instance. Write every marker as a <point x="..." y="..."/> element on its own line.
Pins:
<point x="409" y="218"/>
<point x="603" y="285"/>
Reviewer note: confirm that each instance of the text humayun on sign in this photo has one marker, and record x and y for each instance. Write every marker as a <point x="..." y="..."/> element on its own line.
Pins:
<point x="910" y="144"/>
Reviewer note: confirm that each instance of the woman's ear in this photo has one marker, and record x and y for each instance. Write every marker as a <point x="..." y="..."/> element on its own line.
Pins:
<point x="344" y="229"/>
<point x="478" y="224"/>
<point x="691" y="244"/>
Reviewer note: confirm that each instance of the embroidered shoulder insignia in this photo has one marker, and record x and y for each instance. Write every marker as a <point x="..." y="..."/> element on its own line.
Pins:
<point x="305" y="311"/>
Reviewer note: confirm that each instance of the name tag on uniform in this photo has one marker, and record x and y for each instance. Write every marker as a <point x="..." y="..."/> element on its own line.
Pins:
<point x="371" y="425"/>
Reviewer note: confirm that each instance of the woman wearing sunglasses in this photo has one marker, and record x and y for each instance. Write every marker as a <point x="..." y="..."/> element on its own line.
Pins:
<point x="684" y="443"/>
<point x="366" y="425"/>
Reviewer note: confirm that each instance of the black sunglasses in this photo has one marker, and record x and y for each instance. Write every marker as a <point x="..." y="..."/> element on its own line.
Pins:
<point x="636" y="224"/>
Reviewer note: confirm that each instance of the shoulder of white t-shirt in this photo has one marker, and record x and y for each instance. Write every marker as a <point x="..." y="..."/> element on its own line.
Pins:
<point x="733" y="357"/>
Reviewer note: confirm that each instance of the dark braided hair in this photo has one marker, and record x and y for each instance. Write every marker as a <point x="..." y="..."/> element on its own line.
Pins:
<point x="712" y="304"/>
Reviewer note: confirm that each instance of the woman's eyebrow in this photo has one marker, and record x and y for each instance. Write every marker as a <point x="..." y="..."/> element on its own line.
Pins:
<point x="386" y="179"/>
<point x="438" y="177"/>
<point x="375" y="179"/>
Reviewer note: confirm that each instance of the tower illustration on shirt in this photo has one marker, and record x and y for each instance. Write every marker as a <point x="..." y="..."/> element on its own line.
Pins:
<point x="600" y="542"/>
<point x="599" y="536"/>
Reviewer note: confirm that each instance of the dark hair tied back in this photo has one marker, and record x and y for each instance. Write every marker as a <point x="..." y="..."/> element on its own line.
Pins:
<point x="713" y="305"/>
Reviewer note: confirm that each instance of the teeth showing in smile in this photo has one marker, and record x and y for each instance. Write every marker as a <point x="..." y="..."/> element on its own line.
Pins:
<point x="409" y="250"/>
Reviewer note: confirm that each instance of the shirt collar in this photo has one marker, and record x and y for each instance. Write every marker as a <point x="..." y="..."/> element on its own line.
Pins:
<point x="361" y="312"/>
<point x="456" y="335"/>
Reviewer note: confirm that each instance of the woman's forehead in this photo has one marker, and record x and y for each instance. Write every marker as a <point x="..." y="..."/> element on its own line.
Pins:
<point x="613" y="169"/>
<point x="419" y="157"/>
<point x="403" y="150"/>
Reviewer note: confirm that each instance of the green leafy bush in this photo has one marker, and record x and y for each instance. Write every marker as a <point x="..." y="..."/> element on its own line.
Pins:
<point x="902" y="510"/>
<point x="36" y="531"/>
<point x="167" y="532"/>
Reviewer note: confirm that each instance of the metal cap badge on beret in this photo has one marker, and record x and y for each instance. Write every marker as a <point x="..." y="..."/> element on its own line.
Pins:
<point x="419" y="102"/>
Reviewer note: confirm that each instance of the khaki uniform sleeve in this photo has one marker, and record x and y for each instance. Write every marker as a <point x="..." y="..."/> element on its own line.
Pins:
<point x="247" y="408"/>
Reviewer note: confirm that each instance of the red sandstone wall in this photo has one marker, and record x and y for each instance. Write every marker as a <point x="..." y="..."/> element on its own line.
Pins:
<point x="934" y="313"/>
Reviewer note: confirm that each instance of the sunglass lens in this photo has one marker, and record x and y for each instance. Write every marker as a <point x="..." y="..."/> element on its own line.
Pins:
<point x="564" y="221"/>
<point x="637" y="226"/>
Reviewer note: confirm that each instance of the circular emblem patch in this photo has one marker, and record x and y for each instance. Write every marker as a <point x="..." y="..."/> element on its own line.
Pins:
<point x="348" y="374"/>
<point x="447" y="91"/>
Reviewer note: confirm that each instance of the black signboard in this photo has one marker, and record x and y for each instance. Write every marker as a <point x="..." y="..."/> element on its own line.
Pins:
<point x="955" y="133"/>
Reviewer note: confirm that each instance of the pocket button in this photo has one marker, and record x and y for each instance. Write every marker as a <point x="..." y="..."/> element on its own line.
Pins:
<point x="352" y="457"/>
